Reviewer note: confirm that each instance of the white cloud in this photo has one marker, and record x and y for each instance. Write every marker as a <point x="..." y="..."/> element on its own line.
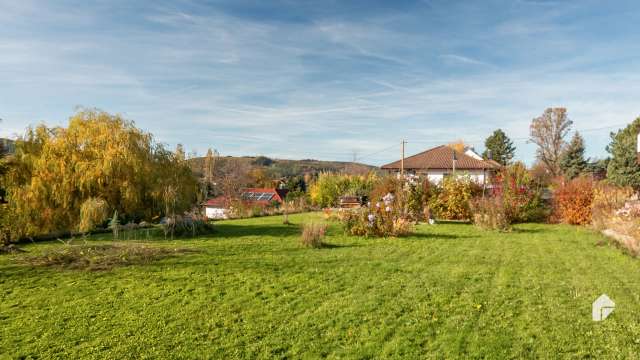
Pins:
<point x="302" y="89"/>
<point x="459" y="59"/>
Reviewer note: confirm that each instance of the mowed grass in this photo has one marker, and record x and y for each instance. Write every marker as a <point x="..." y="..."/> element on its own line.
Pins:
<point x="251" y="291"/>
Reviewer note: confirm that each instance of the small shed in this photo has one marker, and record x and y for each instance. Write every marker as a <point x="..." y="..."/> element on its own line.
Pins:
<point x="217" y="208"/>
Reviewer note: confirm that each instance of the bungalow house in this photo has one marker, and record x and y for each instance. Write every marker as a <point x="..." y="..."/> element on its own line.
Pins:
<point x="442" y="161"/>
<point x="218" y="207"/>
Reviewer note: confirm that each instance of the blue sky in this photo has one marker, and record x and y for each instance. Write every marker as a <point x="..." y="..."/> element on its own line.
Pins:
<point x="323" y="79"/>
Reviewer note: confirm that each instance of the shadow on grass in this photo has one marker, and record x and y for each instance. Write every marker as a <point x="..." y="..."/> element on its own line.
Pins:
<point x="518" y="230"/>
<point x="338" y="246"/>
<point x="436" y="236"/>
<point x="453" y="222"/>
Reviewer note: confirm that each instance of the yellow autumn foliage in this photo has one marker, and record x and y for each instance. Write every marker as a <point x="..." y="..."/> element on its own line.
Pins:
<point x="99" y="155"/>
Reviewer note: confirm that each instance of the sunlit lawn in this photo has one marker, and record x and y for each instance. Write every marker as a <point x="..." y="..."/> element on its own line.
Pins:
<point x="251" y="291"/>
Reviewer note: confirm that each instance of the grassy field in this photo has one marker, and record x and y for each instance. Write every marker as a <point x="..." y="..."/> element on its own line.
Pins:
<point x="250" y="291"/>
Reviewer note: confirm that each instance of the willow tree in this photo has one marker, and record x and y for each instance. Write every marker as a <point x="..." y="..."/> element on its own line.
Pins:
<point x="100" y="156"/>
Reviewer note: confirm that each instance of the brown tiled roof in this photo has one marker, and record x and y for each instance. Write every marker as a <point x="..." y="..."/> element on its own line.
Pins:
<point x="441" y="157"/>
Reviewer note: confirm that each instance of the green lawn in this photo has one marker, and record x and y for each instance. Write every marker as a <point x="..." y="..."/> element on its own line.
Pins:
<point x="250" y="291"/>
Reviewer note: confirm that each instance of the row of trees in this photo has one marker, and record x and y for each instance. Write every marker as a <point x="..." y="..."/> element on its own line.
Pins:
<point x="100" y="160"/>
<point x="556" y="156"/>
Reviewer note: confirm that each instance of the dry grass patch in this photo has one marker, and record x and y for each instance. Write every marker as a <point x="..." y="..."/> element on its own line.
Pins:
<point x="313" y="234"/>
<point x="100" y="257"/>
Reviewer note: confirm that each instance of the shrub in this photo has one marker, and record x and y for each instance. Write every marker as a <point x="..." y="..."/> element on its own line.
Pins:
<point x="189" y="225"/>
<point x="388" y="184"/>
<point x="402" y="227"/>
<point x="615" y="212"/>
<point x="328" y="188"/>
<point x="355" y="222"/>
<point x="521" y="196"/>
<point x="93" y="212"/>
<point x="572" y="200"/>
<point x="452" y="201"/>
<point x="313" y="234"/>
<point x="417" y="196"/>
<point x="489" y="213"/>
<point x="607" y="200"/>
<point x="384" y="218"/>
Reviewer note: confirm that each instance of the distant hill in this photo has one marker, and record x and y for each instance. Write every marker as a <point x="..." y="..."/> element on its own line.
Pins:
<point x="284" y="168"/>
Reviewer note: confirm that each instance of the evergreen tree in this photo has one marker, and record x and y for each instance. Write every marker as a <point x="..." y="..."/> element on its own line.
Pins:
<point x="501" y="147"/>
<point x="623" y="168"/>
<point x="572" y="161"/>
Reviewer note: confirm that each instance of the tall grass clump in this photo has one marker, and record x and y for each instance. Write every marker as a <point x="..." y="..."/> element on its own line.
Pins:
<point x="490" y="214"/>
<point x="313" y="234"/>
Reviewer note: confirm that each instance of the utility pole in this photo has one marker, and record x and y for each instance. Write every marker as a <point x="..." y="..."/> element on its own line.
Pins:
<point x="403" y="142"/>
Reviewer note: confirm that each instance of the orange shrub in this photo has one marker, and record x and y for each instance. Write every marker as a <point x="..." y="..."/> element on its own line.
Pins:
<point x="572" y="201"/>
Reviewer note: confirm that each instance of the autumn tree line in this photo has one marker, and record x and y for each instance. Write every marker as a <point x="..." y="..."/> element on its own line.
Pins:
<point x="102" y="166"/>
<point x="558" y="155"/>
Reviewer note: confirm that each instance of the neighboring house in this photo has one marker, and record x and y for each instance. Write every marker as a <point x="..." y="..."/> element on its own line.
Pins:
<point x="263" y="196"/>
<point x="439" y="162"/>
<point x="218" y="207"/>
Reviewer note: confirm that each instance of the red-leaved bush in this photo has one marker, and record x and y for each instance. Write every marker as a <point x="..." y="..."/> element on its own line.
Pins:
<point x="572" y="201"/>
<point x="521" y="198"/>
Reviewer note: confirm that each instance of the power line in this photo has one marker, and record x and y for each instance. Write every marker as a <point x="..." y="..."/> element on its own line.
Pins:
<point x="527" y="138"/>
<point x="375" y="153"/>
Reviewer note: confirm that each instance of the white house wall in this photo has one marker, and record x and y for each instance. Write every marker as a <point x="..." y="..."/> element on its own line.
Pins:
<point x="215" y="213"/>
<point x="436" y="176"/>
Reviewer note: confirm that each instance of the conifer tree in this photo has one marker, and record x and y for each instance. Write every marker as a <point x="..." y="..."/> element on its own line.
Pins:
<point x="572" y="161"/>
<point x="623" y="168"/>
<point x="500" y="146"/>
